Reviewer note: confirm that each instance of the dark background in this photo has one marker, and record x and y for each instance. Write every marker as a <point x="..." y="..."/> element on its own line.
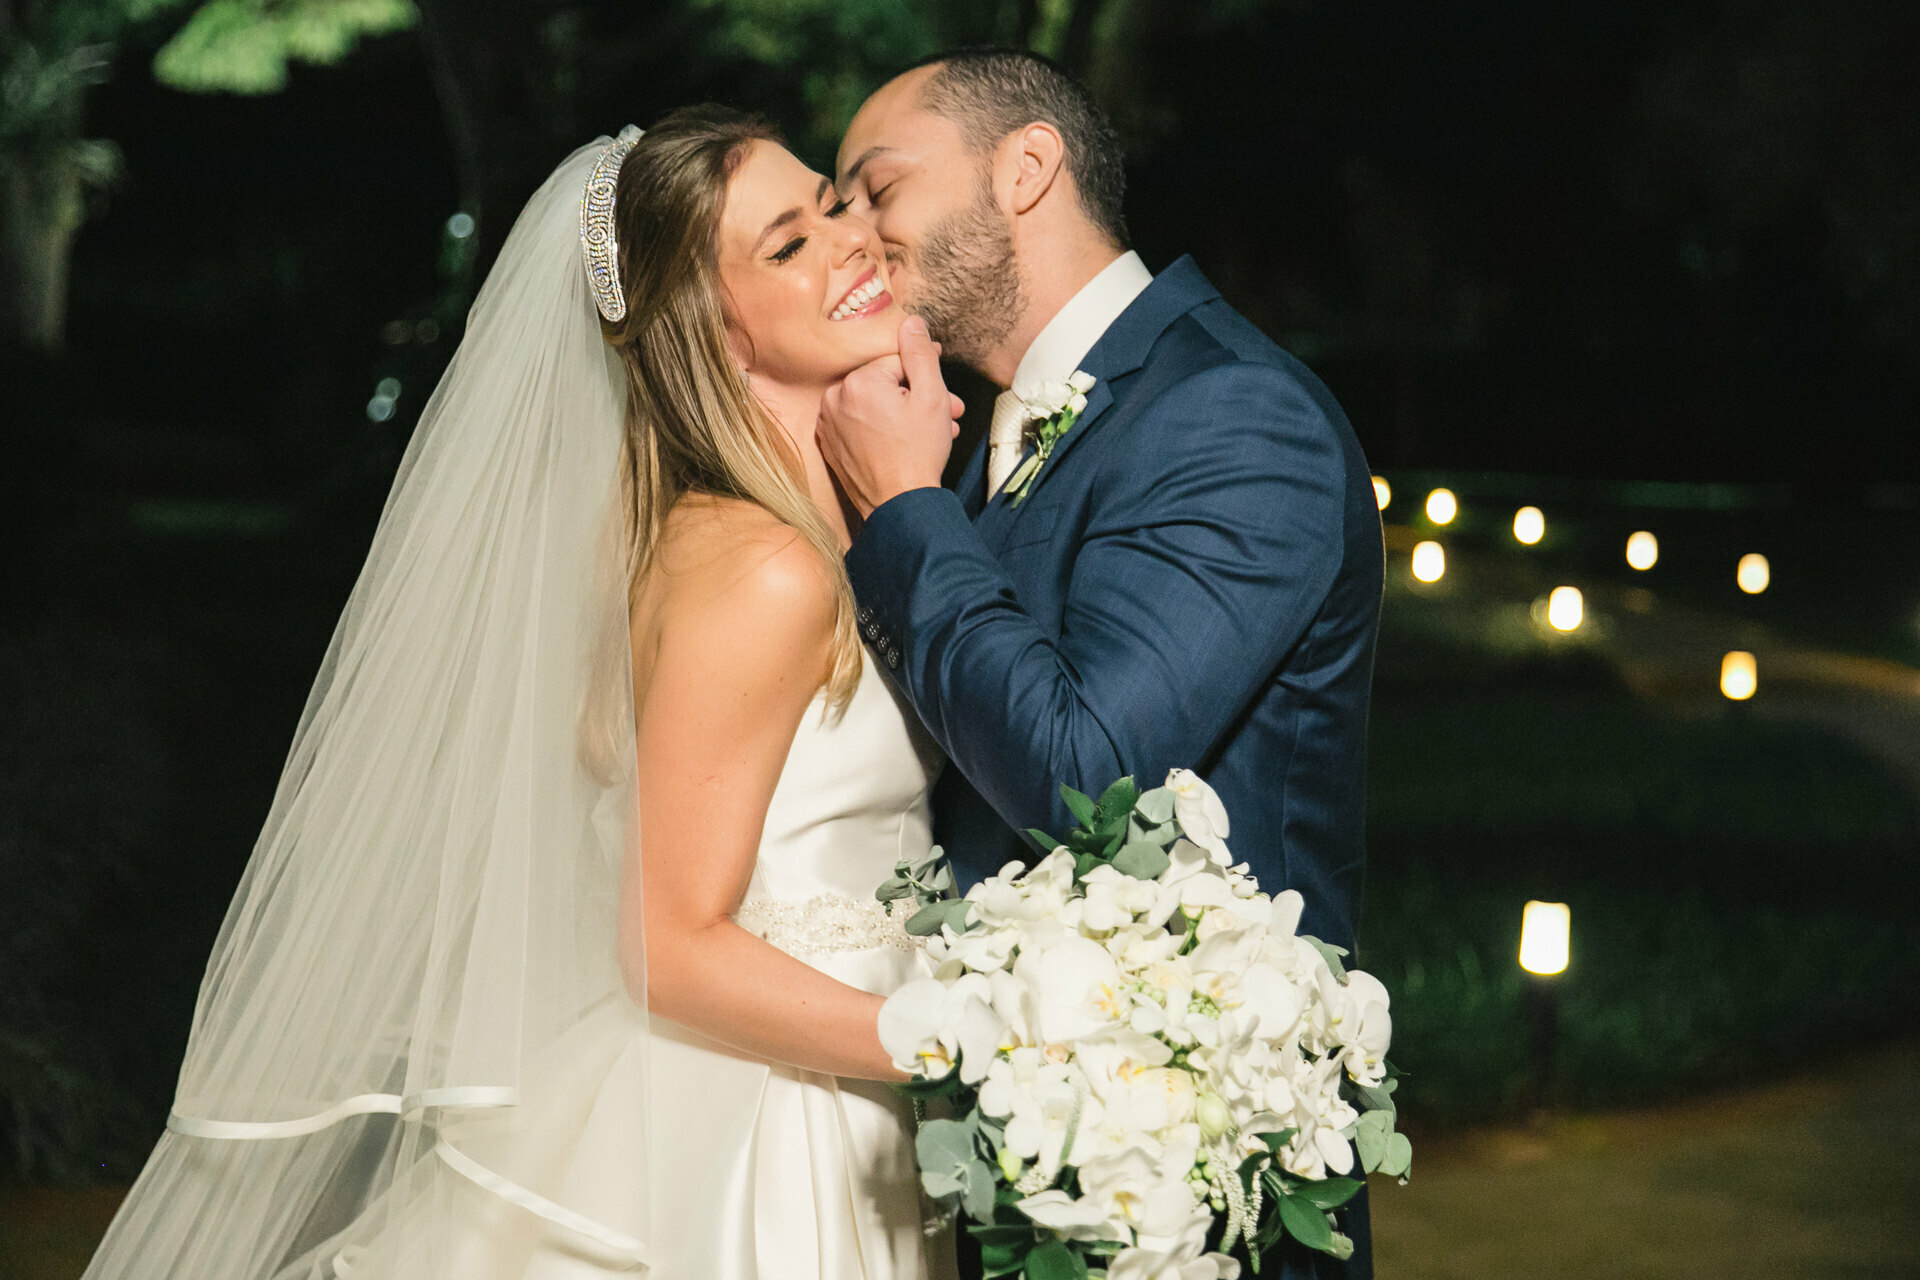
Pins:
<point x="1541" y="252"/>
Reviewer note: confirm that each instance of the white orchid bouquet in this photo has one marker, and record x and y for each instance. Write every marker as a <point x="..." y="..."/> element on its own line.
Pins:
<point x="1144" y="1069"/>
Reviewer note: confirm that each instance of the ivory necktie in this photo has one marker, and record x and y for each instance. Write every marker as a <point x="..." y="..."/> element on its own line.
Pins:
<point x="1005" y="438"/>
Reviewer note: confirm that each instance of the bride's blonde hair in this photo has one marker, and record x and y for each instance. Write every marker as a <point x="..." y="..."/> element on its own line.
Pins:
<point x="693" y="425"/>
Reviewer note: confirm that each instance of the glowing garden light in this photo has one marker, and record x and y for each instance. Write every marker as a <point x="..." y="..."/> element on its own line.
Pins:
<point x="1754" y="573"/>
<point x="460" y="226"/>
<point x="1565" y="609"/>
<point x="1545" y="929"/>
<point x="1529" y="525"/>
<point x="1442" y="506"/>
<point x="1429" y="561"/>
<point x="1643" y="550"/>
<point x="1739" y="675"/>
<point x="1382" y="491"/>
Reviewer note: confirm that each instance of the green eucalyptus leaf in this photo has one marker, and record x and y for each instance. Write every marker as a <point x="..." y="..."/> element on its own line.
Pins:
<point x="944" y="1145"/>
<point x="1054" y="1261"/>
<point x="1005" y="1259"/>
<point x="1331" y="954"/>
<point x="1398" y="1161"/>
<point x="1142" y="861"/>
<point x="1046" y="842"/>
<point x="927" y="920"/>
<point x="1156" y="806"/>
<point x="1377" y="1097"/>
<point x="1306" y="1223"/>
<point x="1119" y="799"/>
<point x="1328" y="1193"/>
<point x="1078" y="805"/>
<point x="1276" y="1142"/>
<point x="977" y="1199"/>
<point x="1373" y="1136"/>
<point x="940" y="1184"/>
<point x="1162" y="833"/>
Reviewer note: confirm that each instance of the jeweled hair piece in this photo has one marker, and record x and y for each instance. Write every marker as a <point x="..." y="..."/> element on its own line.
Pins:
<point x="597" y="242"/>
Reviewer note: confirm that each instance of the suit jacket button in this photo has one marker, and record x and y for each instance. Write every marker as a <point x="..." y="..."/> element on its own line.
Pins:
<point x="893" y="659"/>
<point x="863" y="615"/>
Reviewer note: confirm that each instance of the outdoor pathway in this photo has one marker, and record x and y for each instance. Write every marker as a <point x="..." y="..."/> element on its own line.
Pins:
<point x="1815" y="1179"/>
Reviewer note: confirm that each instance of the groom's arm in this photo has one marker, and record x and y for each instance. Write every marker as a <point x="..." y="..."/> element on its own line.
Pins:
<point x="1212" y="546"/>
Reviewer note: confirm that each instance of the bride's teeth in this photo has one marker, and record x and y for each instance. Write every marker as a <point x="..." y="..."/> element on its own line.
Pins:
<point x="857" y="299"/>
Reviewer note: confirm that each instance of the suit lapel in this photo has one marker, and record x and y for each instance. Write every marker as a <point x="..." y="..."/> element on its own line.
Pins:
<point x="972" y="485"/>
<point x="1121" y="351"/>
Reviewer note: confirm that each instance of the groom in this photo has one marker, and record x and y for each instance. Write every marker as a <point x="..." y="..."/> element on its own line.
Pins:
<point x="1190" y="576"/>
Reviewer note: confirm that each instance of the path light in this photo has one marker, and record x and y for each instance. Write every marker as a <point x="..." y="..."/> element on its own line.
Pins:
<point x="1382" y="491"/>
<point x="1754" y="573"/>
<point x="1565" y="609"/>
<point x="1643" y="550"/>
<point x="1739" y="675"/>
<point x="1429" y="561"/>
<point x="1442" y="506"/>
<point x="1544" y="930"/>
<point x="1529" y="525"/>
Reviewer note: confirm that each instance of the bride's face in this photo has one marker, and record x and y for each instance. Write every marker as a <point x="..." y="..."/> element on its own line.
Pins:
<point x="806" y="286"/>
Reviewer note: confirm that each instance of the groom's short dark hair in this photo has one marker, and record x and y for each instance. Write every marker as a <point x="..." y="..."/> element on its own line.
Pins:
<point x="990" y="93"/>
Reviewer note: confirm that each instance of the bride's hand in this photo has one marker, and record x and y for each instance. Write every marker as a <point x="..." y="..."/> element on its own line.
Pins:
<point x="888" y="426"/>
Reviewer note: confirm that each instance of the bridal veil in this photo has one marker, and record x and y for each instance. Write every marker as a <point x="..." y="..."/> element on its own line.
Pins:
<point x="420" y="966"/>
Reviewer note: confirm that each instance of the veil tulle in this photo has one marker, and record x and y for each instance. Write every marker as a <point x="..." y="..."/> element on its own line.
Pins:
<point x="419" y="970"/>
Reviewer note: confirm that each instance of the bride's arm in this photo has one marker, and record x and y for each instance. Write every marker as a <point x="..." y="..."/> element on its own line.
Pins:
<point x="743" y="642"/>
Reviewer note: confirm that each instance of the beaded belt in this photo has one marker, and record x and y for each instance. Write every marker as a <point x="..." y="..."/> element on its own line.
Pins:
<point x="826" y="922"/>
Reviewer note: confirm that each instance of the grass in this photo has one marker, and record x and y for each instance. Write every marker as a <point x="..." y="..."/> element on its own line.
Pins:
<point x="1740" y="890"/>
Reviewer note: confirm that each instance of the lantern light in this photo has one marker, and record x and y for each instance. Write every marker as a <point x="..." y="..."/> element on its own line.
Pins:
<point x="1529" y="525"/>
<point x="1754" y="573"/>
<point x="1382" y="491"/>
<point x="1565" y="609"/>
<point x="1739" y="675"/>
<point x="1442" y="506"/>
<point x="1429" y="561"/>
<point x="1643" y="550"/>
<point x="1544" y="938"/>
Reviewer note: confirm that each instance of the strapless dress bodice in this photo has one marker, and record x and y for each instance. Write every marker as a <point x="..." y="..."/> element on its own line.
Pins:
<point x="851" y="803"/>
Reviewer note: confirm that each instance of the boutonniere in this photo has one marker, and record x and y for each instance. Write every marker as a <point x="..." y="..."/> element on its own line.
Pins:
<point x="1056" y="406"/>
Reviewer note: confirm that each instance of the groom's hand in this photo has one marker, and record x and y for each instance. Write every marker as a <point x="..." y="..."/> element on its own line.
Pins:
<point x="888" y="426"/>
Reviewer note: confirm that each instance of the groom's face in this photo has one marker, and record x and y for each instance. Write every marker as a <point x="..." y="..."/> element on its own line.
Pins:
<point x="948" y="243"/>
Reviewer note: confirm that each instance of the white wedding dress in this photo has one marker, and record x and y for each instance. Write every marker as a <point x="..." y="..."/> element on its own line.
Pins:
<point x="760" y="1171"/>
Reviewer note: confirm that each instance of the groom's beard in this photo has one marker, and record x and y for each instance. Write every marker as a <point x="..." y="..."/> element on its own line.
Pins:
<point x="969" y="291"/>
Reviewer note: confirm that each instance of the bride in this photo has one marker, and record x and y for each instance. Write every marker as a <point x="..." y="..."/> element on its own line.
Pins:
<point x="603" y="639"/>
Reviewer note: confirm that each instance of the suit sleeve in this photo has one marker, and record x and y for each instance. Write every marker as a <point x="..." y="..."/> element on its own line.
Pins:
<point x="1214" y="540"/>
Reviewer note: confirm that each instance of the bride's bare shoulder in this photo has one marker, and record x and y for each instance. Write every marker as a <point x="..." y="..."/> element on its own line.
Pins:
<point x="735" y="557"/>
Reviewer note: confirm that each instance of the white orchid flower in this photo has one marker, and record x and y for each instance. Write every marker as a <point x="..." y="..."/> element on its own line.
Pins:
<point x="1202" y="816"/>
<point x="924" y="1023"/>
<point x="1075" y="1219"/>
<point x="1137" y="1193"/>
<point x="1039" y="1099"/>
<point x="1177" y="1257"/>
<point x="1367" y="1032"/>
<point x="1076" y="986"/>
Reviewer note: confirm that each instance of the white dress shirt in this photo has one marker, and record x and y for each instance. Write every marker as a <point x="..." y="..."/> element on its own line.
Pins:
<point x="1056" y="352"/>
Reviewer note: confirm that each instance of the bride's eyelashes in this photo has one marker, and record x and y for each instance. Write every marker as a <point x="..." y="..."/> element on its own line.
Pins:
<point x="788" y="251"/>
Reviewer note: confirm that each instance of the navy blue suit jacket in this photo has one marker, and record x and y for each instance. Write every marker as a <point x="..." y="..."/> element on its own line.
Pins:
<point x="1193" y="580"/>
